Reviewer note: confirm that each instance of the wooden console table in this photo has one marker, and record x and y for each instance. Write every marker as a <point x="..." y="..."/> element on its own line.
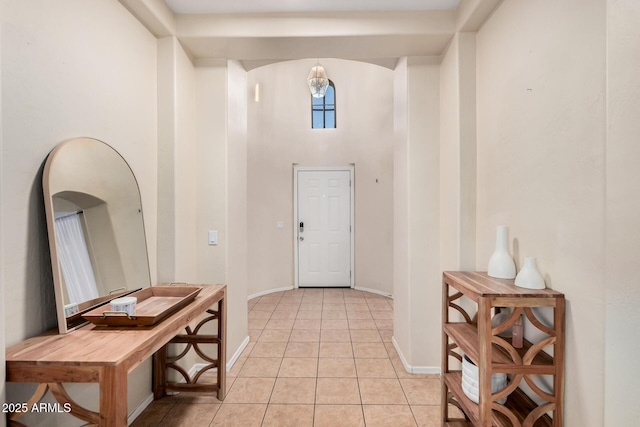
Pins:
<point x="106" y="355"/>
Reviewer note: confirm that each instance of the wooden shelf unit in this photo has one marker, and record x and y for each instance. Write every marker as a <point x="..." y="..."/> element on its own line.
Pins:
<point x="475" y="338"/>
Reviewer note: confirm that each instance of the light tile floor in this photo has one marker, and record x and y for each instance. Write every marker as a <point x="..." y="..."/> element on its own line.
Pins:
<point x="317" y="357"/>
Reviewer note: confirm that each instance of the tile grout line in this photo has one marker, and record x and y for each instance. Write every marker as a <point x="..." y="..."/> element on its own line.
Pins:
<point x="315" y="396"/>
<point x="266" y="409"/>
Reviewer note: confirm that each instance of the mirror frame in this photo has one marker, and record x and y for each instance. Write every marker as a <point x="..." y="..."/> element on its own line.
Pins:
<point x="67" y="324"/>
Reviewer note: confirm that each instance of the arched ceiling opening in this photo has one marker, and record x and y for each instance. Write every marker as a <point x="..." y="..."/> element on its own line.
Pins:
<point x="257" y="33"/>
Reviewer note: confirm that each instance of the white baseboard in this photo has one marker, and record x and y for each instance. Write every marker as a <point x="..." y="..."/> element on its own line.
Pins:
<point x="269" y="291"/>
<point x="141" y="407"/>
<point x="374" y="291"/>
<point x="288" y="288"/>
<point x="429" y="370"/>
<point x="237" y="353"/>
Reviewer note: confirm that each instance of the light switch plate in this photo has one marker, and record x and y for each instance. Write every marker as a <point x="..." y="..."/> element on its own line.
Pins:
<point x="213" y="237"/>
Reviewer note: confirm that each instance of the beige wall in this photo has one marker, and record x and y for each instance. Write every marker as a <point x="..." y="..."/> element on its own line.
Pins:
<point x="237" y="267"/>
<point x="541" y="82"/>
<point x="186" y="156"/>
<point x="458" y="154"/>
<point x="212" y="212"/>
<point x="401" y="226"/>
<point x="67" y="73"/>
<point x="416" y="286"/>
<point x="166" y="78"/>
<point x="622" y="214"/>
<point x="177" y="155"/>
<point x="280" y="135"/>
<point x="449" y="158"/>
<point x="211" y="125"/>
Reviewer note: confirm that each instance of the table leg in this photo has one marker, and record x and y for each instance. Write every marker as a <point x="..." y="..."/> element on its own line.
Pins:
<point x="160" y="373"/>
<point x="222" y="346"/>
<point x="113" y="396"/>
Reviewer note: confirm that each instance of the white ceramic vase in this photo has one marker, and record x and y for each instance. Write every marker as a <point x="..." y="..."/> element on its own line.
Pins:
<point x="529" y="277"/>
<point x="501" y="265"/>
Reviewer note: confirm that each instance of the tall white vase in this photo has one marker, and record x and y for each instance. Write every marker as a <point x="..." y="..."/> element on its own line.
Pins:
<point x="501" y="265"/>
<point x="529" y="277"/>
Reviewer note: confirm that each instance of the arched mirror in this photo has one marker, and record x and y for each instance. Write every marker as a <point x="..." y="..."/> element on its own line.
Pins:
<point x="95" y="226"/>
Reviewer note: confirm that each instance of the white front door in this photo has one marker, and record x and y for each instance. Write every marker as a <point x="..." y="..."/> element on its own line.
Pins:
<point x="323" y="227"/>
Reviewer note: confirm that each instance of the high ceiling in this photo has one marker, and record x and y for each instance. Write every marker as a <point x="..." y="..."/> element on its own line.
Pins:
<point x="262" y="6"/>
<point x="258" y="32"/>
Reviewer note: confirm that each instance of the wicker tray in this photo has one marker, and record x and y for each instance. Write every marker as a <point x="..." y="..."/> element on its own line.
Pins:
<point x="154" y="304"/>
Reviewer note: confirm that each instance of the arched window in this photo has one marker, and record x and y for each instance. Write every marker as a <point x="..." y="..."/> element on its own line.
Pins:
<point x="323" y="110"/>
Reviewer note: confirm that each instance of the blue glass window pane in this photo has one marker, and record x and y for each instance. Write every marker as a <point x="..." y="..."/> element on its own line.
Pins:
<point x="329" y="97"/>
<point x="318" y="119"/>
<point x="330" y="119"/>
<point x="323" y="110"/>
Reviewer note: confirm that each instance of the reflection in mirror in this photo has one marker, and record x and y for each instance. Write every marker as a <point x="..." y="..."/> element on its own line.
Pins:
<point x="95" y="226"/>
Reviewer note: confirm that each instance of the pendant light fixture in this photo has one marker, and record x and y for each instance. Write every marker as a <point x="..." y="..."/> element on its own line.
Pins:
<point x="318" y="81"/>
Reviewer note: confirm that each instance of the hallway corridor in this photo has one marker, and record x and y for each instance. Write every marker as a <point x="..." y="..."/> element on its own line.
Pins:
<point x="317" y="357"/>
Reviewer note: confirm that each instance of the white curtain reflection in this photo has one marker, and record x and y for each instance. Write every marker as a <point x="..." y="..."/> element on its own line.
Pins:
<point x="74" y="259"/>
